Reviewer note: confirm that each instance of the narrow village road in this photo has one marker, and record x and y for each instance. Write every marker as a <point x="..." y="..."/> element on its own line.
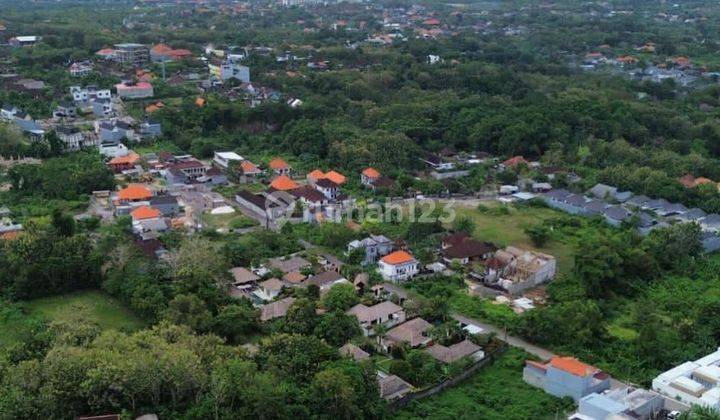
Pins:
<point x="540" y="352"/>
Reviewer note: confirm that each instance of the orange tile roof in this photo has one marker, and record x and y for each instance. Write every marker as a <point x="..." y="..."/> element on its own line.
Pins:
<point x="316" y="174"/>
<point x="200" y="102"/>
<point x="145" y="212"/>
<point x="371" y="173"/>
<point x="336" y="177"/>
<point x="514" y="161"/>
<point x="161" y="48"/>
<point x="573" y="366"/>
<point x="130" y="158"/>
<point x="248" y="167"/>
<point x="278" y="163"/>
<point x="135" y="192"/>
<point x="702" y="180"/>
<point x="398" y="257"/>
<point x="8" y="236"/>
<point x="284" y="183"/>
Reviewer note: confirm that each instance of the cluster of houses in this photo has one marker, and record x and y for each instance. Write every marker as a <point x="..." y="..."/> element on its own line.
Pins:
<point x="679" y="69"/>
<point x="381" y="316"/>
<point x="618" y="207"/>
<point x="318" y="198"/>
<point x="151" y="211"/>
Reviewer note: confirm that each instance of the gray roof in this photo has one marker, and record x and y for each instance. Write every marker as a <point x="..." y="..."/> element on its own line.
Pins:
<point x="603" y="191"/>
<point x="575" y="200"/>
<point x="623" y="196"/>
<point x="657" y="203"/>
<point x="638" y="200"/>
<point x="711" y="220"/>
<point x="645" y="220"/>
<point x="617" y="213"/>
<point x="371" y="240"/>
<point x="595" y="206"/>
<point x="163" y="199"/>
<point x="692" y="214"/>
<point x="557" y="195"/>
<point x="672" y="208"/>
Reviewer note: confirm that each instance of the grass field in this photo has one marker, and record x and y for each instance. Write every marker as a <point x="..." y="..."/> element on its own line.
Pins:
<point x="235" y="220"/>
<point x="18" y="321"/>
<point x="101" y="309"/>
<point x="508" y="229"/>
<point x="497" y="392"/>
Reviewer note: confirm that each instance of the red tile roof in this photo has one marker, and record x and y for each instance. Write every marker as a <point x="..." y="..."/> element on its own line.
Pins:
<point x="135" y="192"/>
<point x="573" y="366"/>
<point x="145" y="212"/>
<point x="398" y="257"/>
<point x="284" y="183"/>
<point x="371" y="173"/>
<point x="278" y="163"/>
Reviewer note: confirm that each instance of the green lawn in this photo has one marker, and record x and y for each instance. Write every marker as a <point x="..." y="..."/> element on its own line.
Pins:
<point x="508" y="229"/>
<point x="235" y="220"/>
<point x="497" y="392"/>
<point x="101" y="309"/>
<point x="20" y="321"/>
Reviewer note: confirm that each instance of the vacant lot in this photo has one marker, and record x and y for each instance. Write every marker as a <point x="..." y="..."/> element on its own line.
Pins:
<point x="505" y="225"/>
<point x="99" y="307"/>
<point x="19" y="321"/>
<point x="494" y="393"/>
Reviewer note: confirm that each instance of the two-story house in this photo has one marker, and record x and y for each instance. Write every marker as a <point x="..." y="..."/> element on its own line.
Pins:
<point x="398" y="266"/>
<point x="566" y="377"/>
<point x="375" y="246"/>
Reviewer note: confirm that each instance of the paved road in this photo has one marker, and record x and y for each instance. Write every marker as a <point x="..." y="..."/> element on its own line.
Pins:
<point x="540" y="352"/>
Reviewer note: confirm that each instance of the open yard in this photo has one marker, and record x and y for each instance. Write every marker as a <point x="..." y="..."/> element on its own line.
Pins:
<point x="497" y="392"/>
<point x="101" y="309"/>
<point x="225" y="222"/>
<point x="18" y="321"/>
<point x="504" y="225"/>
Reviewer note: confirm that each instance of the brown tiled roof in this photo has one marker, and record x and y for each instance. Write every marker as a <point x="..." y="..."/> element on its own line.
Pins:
<point x="410" y="332"/>
<point x="455" y="352"/>
<point x="242" y="275"/>
<point x="276" y="309"/>
<point x="470" y="248"/>
<point x="324" y="278"/>
<point x="370" y="313"/>
<point x="354" y="351"/>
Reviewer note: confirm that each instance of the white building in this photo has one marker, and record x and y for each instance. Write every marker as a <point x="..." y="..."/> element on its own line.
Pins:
<point x="80" y="69"/>
<point x="73" y="139"/>
<point x="695" y="382"/>
<point x="135" y="91"/>
<point x="223" y="160"/>
<point x="81" y="94"/>
<point x="230" y="70"/>
<point x="398" y="266"/>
